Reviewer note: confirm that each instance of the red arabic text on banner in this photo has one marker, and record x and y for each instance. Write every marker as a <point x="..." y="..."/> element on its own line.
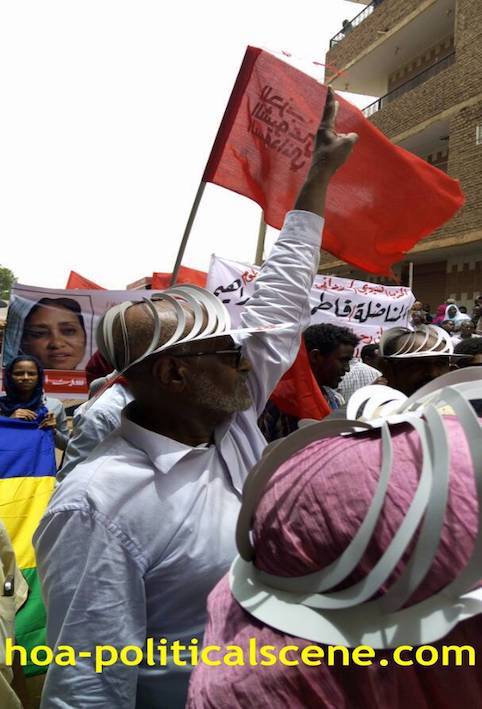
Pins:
<point x="298" y="394"/>
<point x="185" y="275"/>
<point x="64" y="383"/>
<point x="75" y="280"/>
<point x="379" y="204"/>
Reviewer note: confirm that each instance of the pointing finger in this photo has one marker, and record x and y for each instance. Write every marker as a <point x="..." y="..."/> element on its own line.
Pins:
<point x="329" y="113"/>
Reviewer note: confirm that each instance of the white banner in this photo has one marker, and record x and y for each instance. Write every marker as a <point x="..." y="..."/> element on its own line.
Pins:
<point x="367" y="308"/>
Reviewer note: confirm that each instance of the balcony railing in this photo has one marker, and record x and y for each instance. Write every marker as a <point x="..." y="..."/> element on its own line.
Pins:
<point x="441" y="164"/>
<point x="348" y="25"/>
<point x="410" y="84"/>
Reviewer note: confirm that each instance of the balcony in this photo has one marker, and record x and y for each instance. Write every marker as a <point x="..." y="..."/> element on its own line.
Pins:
<point x="386" y="42"/>
<point x="348" y="25"/>
<point x="431" y="144"/>
<point x="412" y="83"/>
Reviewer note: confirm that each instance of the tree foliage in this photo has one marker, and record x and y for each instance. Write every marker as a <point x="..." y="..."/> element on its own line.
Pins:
<point x="7" y="279"/>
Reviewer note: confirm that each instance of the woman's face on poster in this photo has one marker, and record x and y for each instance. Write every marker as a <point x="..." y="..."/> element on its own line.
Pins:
<point x="55" y="336"/>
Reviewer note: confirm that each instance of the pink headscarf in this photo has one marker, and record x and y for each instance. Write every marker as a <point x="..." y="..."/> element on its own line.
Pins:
<point x="440" y="314"/>
<point x="310" y="511"/>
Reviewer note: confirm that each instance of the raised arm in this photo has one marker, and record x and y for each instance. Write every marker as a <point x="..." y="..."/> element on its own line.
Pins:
<point x="283" y="286"/>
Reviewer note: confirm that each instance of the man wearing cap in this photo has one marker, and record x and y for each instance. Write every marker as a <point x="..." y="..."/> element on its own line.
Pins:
<point x="132" y="543"/>
<point x="413" y="358"/>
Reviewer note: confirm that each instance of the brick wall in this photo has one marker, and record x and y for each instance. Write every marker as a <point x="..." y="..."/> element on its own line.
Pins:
<point x="386" y="16"/>
<point x="464" y="280"/>
<point x="465" y="164"/>
<point x="460" y="83"/>
<point x="430" y="282"/>
<point x="423" y="61"/>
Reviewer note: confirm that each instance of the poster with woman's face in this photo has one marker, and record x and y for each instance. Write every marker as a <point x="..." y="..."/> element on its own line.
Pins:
<point x="58" y="328"/>
<point x="54" y="332"/>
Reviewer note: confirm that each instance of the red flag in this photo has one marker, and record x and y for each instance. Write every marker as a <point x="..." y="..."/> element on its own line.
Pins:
<point x="298" y="393"/>
<point x="185" y="275"/>
<point x="75" y="280"/>
<point x="379" y="205"/>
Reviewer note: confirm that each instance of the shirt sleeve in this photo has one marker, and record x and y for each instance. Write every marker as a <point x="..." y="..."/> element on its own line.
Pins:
<point x="93" y="590"/>
<point x="282" y="296"/>
<point x="61" y="433"/>
<point x="92" y="428"/>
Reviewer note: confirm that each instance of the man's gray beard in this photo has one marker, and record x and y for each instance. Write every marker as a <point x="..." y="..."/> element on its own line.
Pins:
<point x="210" y="396"/>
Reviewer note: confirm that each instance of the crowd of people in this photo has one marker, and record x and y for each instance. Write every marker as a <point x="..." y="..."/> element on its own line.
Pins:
<point x="342" y="534"/>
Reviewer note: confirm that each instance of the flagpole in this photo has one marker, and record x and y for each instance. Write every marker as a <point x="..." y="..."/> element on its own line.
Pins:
<point x="260" y="245"/>
<point x="187" y="231"/>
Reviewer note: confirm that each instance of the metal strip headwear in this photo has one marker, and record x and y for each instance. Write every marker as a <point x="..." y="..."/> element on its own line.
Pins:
<point x="210" y="318"/>
<point x="362" y="614"/>
<point x="416" y="342"/>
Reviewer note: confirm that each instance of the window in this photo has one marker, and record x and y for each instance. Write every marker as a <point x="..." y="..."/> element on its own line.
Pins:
<point x="478" y="134"/>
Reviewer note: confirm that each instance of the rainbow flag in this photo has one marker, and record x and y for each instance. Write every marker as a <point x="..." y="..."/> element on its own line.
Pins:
<point x="27" y="479"/>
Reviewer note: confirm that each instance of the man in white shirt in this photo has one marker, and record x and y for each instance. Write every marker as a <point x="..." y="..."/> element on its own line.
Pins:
<point x="132" y="543"/>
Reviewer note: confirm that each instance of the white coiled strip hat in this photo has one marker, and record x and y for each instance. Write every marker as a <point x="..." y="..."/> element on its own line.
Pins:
<point x="368" y="612"/>
<point x="210" y="318"/>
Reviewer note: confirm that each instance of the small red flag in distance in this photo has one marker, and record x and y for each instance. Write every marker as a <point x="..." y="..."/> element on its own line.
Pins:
<point x="185" y="275"/>
<point x="379" y="204"/>
<point x="75" y="280"/>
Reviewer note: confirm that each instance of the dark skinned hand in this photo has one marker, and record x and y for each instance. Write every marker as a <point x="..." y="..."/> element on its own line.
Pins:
<point x="330" y="152"/>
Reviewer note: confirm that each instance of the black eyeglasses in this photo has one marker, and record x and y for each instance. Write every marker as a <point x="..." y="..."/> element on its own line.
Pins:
<point x="235" y="352"/>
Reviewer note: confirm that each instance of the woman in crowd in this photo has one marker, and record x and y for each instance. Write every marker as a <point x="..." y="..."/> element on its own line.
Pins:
<point x="25" y="399"/>
<point x="453" y="314"/>
<point x="440" y="314"/>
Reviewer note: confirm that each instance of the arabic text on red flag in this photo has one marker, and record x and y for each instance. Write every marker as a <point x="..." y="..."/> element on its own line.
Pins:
<point x="379" y="204"/>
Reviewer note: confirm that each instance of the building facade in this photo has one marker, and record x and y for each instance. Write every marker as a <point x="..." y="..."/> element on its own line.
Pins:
<point x="423" y="60"/>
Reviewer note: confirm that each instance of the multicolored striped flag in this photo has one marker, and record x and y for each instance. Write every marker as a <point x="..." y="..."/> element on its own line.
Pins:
<point x="27" y="479"/>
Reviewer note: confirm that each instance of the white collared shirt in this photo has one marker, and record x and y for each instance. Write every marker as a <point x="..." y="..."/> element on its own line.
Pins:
<point x="134" y="541"/>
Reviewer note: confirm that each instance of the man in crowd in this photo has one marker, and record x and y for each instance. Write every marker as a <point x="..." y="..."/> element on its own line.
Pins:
<point x="330" y="350"/>
<point x="406" y="364"/>
<point x="466" y="332"/>
<point x="428" y="315"/>
<point x="417" y="318"/>
<point x="370" y="354"/>
<point x="360" y="375"/>
<point x="448" y="326"/>
<point x="477" y="315"/>
<point x="133" y="542"/>
<point x="471" y="348"/>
